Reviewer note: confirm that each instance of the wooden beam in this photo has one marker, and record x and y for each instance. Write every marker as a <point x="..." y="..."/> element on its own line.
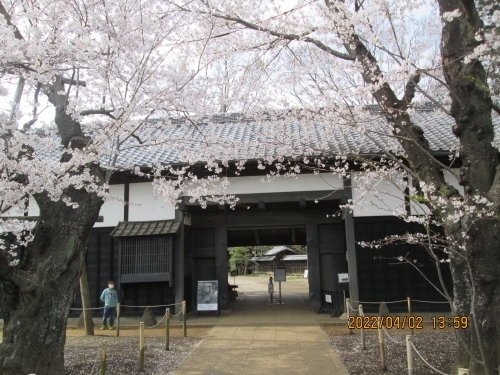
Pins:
<point x="294" y="240"/>
<point x="294" y="196"/>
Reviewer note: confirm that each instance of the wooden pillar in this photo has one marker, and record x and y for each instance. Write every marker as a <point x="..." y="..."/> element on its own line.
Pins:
<point x="221" y="263"/>
<point x="178" y="262"/>
<point x="313" y="265"/>
<point x="352" y="266"/>
<point x="85" y="293"/>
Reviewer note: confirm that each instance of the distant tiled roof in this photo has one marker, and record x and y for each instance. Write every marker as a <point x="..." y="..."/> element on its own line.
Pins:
<point x="144" y="228"/>
<point x="263" y="259"/>
<point x="295" y="257"/>
<point x="277" y="249"/>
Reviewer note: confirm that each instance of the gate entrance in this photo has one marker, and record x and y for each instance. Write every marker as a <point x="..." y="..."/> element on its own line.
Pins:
<point x="214" y="230"/>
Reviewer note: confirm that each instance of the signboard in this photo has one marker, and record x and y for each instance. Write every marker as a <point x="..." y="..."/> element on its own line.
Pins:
<point x="328" y="298"/>
<point x="343" y="277"/>
<point x="234" y="273"/>
<point x="208" y="295"/>
<point x="279" y="274"/>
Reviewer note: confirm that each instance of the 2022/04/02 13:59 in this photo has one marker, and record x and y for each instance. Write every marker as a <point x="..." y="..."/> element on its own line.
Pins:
<point x="456" y="322"/>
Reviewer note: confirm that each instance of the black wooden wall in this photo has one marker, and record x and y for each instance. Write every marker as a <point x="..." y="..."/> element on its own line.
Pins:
<point x="332" y="254"/>
<point x="382" y="278"/>
<point x="102" y="266"/>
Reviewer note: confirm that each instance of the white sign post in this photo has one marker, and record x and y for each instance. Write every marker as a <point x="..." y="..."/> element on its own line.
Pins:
<point x="279" y="275"/>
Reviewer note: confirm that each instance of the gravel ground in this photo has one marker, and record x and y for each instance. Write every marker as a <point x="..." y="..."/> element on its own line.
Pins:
<point x="436" y="346"/>
<point x="82" y="353"/>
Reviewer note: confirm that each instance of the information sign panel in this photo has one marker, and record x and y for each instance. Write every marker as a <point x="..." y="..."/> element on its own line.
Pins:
<point x="328" y="298"/>
<point x="279" y="274"/>
<point x="234" y="273"/>
<point x="343" y="277"/>
<point x="208" y="295"/>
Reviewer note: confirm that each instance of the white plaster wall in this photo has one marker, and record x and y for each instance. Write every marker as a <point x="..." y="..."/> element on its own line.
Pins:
<point x="449" y="178"/>
<point x="307" y="182"/>
<point x="112" y="210"/>
<point x="143" y="207"/>
<point x="33" y="209"/>
<point x="380" y="199"/>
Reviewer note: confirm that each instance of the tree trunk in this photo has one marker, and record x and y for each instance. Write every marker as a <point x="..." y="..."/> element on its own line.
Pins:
<point x="479" y="301"/>
<point x="37" y="294"/>
<point x="84" y="291"/>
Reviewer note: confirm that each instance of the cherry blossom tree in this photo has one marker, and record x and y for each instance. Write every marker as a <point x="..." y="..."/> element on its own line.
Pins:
<point x="328" y="58"/>
<point x="105" y="69"/>
<point x="108" y="69"/>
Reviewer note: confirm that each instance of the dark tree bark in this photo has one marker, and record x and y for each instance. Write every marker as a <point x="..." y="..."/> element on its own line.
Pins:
<point x="476" y="279"/>
<point x="37" y="294"/>
<point x="476" y="275"/>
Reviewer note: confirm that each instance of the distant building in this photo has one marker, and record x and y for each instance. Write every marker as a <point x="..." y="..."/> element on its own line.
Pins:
<point x="280" y="256"/>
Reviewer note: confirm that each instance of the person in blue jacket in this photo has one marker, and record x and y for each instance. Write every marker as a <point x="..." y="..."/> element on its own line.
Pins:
<point x="110" y="299"/>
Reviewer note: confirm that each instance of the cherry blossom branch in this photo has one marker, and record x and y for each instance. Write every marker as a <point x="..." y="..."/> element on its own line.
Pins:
<point x="292" y="37"/>
<point x="107" y="112"/>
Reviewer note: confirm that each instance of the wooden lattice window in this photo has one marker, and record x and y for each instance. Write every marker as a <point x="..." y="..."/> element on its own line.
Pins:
<point x="146" y="258"/>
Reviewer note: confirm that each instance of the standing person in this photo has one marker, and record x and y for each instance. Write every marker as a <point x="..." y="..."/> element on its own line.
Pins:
<point x="110" y="299"/>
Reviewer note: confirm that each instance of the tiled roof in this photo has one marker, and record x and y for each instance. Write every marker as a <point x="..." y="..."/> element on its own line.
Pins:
<point x="294" y="257"/>
<point x="277" y="249"/>
<point x="144" y="228"/>
<point x="246" y="139"/>
<point x="263" y="259"/>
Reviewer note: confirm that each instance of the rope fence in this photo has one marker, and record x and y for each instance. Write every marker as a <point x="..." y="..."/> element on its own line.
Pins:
<point x="410" y="347"/>
<point x="408" y="338"/>
<point x="100" y="308"/>
<point x="102" y="353"/>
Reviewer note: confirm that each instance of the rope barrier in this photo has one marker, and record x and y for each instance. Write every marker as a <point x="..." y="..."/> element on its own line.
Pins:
<point x="394" y="340"/>
<point x="179" y="313"/>
<point x="100" y="308"/>
<point x="427" y="363"/>
<point x="173" y="304"/>
<point x="157" y="324"/>
<point x="416" y="300"/>
<point x="350" y="307"/>
<point x="377" y="303"/>
<point x="90" y="308"/>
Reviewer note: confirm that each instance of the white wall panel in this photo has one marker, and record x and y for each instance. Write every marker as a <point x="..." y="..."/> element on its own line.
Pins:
<point x="307" y="182"/>
<point x="449" y="178"/>
<point x="143" y="207"/>
<point x="112" y="210"/>
<point x="382" y="198"/>
<point x="33" y="209"/>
